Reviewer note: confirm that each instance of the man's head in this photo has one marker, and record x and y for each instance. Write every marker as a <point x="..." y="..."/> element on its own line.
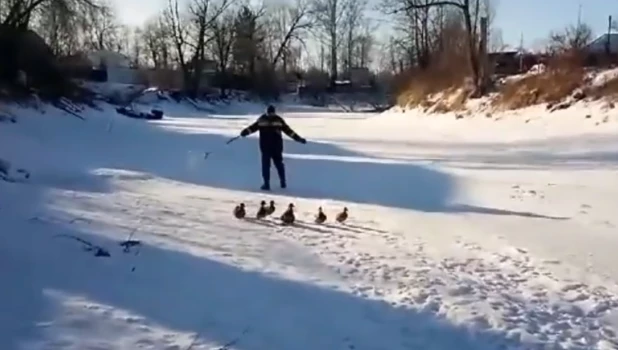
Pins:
<point x="270" y="110"/>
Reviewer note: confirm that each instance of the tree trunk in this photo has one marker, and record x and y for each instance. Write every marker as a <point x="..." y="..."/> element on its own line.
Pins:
<point x="472" y="47"/>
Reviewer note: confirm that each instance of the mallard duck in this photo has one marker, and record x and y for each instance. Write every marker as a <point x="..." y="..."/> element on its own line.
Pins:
<point x="262" y="212"/>
<point x="343" y="216"/>
<point x="271" y="208"/>
<point x="239" y="211"/>
<point x="321" y="217"/>
<point x="288" y="217"/>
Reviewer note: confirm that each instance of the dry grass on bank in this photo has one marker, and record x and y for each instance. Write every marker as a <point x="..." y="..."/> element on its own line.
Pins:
<point x="550" y="86"/>
<point x="563" y="81"/>
<point x="436" y="89"/>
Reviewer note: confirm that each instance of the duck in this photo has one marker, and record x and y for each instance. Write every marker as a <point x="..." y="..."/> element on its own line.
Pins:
<point x="321" y="217"/>
<point x="262" y="212"/>
<point x="271" y="208"/>
<point x="288" y="217"/>
<point x="239" y="211"/>
<point x="343" y="216"/>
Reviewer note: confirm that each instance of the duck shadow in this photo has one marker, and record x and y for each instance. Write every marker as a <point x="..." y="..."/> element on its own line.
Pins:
<point x="311" y="227"/>
<point x="262" y="222"/>
<point x="354" y="228"/>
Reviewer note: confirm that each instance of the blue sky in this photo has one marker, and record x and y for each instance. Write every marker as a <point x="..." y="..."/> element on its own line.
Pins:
<point x="532" y="18"/>
<point x="536" y="18"/>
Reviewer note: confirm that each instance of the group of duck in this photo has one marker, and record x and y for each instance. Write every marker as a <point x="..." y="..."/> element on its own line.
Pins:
<point x="288" y="217"/>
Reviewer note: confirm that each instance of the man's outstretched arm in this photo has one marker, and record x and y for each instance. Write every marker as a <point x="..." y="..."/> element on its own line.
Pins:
<point x="251" y="128"/>
<point x="291" y="133"/>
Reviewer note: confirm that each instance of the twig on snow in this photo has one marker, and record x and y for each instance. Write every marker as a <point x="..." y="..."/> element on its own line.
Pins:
<point x="64" y="107"/>
<point x="236" y="340"/>
<point x="98" y="250"/>
<point x="128" y="243"/>
<point x="225" y="346"/>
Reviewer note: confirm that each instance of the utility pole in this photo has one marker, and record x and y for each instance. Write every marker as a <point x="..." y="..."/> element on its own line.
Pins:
<point x="608" y="42"/>
<point x="485" y="70"/>
<point x="521" y="53"/>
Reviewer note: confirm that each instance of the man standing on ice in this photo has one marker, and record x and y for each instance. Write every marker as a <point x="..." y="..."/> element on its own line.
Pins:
<point x="270" y="126"/>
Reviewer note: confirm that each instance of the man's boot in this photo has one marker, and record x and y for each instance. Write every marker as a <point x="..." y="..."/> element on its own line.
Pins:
<point x="265" y="172"/>
<point x="280" y="171"/>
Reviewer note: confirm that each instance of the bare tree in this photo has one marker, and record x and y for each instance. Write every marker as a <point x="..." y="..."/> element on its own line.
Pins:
<point x="57" y="28"/>
<point x="572" y="39"/>
<point x="176" y="24"/>
<point x="329" y="16"/>
<point x="289" y="23"/>
<point x="156" y="43"/>
<point x="249" y="38"/>
<point x="221" y="46"/>
<point x="123" y="44"/>
<point x="470" y="11"/>
<point x="137" y="47"/>
<point x="364" y="46"/>
<point x="190" y="33"/>
<point x="20" y="13"/>
<point x="419" y="26"/>
<point x="353" y="21"/>
<point x="495" y="41"/>
<point x="100" y="28"/>
<point x="66" y="25"/>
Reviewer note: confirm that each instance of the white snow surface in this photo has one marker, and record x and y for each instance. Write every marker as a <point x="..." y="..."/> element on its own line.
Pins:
<point x="474" y="233"/>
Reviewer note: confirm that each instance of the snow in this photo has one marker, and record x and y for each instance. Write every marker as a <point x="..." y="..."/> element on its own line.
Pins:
<point x="604" y="76"/>
<point x="474" y="233"/>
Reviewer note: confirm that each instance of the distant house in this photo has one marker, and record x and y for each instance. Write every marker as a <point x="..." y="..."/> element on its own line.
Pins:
<point x="173" y="79"/>
<point x="209" y="69"/>
<point x="118" y="67"/>
<point x="504" y="62"/>
<point x="165" y="78"/>
<point x="605" y="44"/>
<point x="102" y="66"/>
<point x="513" y="62"/>
<point x="108" y="58"/>
<point x="602" y="51"/>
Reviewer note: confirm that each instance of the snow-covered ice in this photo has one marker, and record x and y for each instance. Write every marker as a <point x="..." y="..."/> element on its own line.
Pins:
<point x="481" y="233"/>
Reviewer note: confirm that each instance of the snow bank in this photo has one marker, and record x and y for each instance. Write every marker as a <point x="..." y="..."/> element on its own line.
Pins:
<point x="601" y="78"/>
<point x="480" y="126"/>
<point x="591" y="89"/>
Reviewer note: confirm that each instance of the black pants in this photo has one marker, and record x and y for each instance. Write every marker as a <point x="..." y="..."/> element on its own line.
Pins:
<point x="277" y="159"/>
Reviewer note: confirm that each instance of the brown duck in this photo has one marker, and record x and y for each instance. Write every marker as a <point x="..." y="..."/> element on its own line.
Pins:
<point x="271" y="208"/>
<point x="239" y="211"/>
<point x="262" y="211"/>
<point x="321" y="217"/>
<point x="343" y="216"/>
<point x="288" y="217"/>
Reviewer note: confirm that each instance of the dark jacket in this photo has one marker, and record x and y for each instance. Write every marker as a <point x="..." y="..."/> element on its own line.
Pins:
<point x="270" y="128"/>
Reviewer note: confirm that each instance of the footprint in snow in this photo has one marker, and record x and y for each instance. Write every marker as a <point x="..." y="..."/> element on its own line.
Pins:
<point x="551" y="262"/>
<point x="572" y="287"/>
